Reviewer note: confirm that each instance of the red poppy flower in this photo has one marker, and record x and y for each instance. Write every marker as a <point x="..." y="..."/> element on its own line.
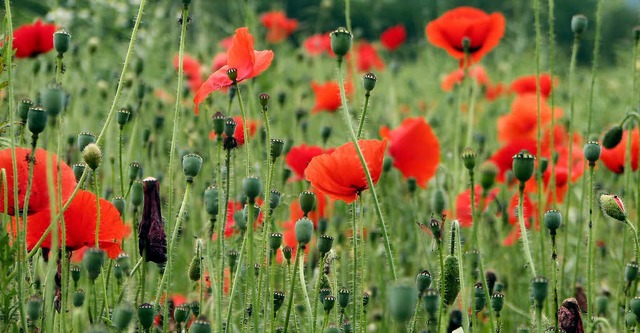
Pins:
<point x="522" y="121"/>
<point x="219" y="60"/>
<point x="415" y="149"/>
<point x="615" y="159"/>
<point x="80" y="225"/>
<point x="340" y="174"/>
<point x="527" y="84"/>
<point x="278" y="25"/>
<point x="367" y="57"/>
<point x="30" y="40"/>
<point x="530" y="213"/>
<point x="232" y="208"/>
<point x="476" y="72"/>
<point x="494" y="91"/>
<point x="463" y="204"/>
<point x="39" y="198"/>
<point x="483" y="30"/>
<point x="328" y="95"/>
<point x="191" y="68"/>
<point x="248" y="62"/>
<point x="318" y="44"/>
<point x="393" y="37"/>
<point x="299" y="157"/>
<point x="239" y="133"/>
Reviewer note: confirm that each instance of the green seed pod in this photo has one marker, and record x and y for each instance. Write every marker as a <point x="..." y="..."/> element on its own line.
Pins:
<point x="497" y="302"/>
<point x="431" y="302"/>
<point x="636" y="33"/>
<point x="120" y="204"/>
<point x="219" y="124"/>
<point x="523" y="163"/>
<point x="412" y="185"/>
<point x="341" y="42"/>
<point x="634" y="306"/>
<point x="552" y="220"/>
<point x="423" y="281"/>
<point x="438" y="201"/>
<point x="631" y="272"/>
<point x="278" y="300"/>
<point x="307" y="201"/>
<point x="233" y="259"/>
<point x="592" y="152"/>
<point x="287" y="252"/>
<point x="61" y="41"/>
<point x="92" y="155"/>
<point x="93" y="260"/>
<point x="488" y="172"/>
<point x="542" y="165"/>
<point x="387" y="163"/>
<point x="322" y="293"/>
<point x="240" y="220"/>
<point x="602" y="303"/>
<point x="181" y="313"/>
<point x="630" y="319"/>
<point x="23" y="109"/>
<point x="275" y="240"/>
<point x="323" y="225"/>
<point x="78" y="298"/>
<point x="125" y="263"/>
<point x="75" y="273"/>
<point x="122" y="116"/>
<point x="229" y="127"/>
<point x="255" y="212"/>
<point x="252" y="188"/>
<point x="328" y="303"/>
<point x="137" y="194"/>
<point x="325" y="133"/>
<point x="194" y="268"/>
<point x="468" y="156"/>
<point x="146" y="315"/>
<point x="53" y="100"/>
<point x="84" y="139"/>
<point x="134" y="171"/>
<point x="369" y="82"/>
<point x="78" y="170"/>
<point x="232" y="74"/>
<point x="36" y="119"/>
<point x="346" y="327"/>
<point x="579" y="24"/>
<point x="401" y="301"/>
<point x="277" y="147"/>
<point x="264" y="101"/>
<point x="122" y="315"/>
<point x="365" y="299"/>
<point x="478" y="295"/>
<point x="211" y="202"/>
<point x="117" y="272"/>
<point x="325" y="242"/>
<point x="200" y="325"/>
<point x="191" y="165"/>
<point x="343" y="297"/>
<point x="304" y="231"/>
<point x="34" y="307"/>
<point x="274" y="199"/>
<point x="613" y="206"/>
<point x="539" y="290"/>
<point x="195" y="308"/>
<point x="612" y="137"/>
<point x="451" y="280"/>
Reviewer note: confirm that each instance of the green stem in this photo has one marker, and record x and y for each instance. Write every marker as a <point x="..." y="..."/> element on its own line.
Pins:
<point x="363" y="116"/>
<point x="594" y="68"/>
<point x="523" y="231"/>
<point x="305" y="294"/>
<point x="316" y="292"/>
<point x="554" y="258"/>
<point x="414" y="319"/>
<point x="250" y="253"/>
<point x="59" y="67"/>
<point x="441" y="307"/>
<point x="552" y="100"/>
<point x="354" y="139"/>
<point x="458" y="241"/>
<point x="590" y="281"/>
<point x="120" y="160"/>
<point x="292" y="287"/>
<point x="235" y="283"/>
<point x="221" y="226"/>
<point x="539" y="319"/>
<point x="96" y="188"/>
<point x="635" y="238"/>
<point x="354" y="267"/>
<point x="245" y="128"/>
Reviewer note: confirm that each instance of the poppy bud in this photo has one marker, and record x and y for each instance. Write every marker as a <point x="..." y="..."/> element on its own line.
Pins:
<point x="181" y="313"/>
<point x="278" y="300"/>
<point x="369" y="81"/>
<point x="438" y="201"/>
<point x="78" y="298"/>
<point x="478" y="295"/>
<point x="122" y="315"/>
<point x="579" y="24"/>
<point x="325" y="242"/>
<point x="232" y="74"/>
<point x="287" y="252"/>
<point x="124" y="261"/>
<point x="322" y="293"/>
<point x="542" y="165"/>
<point x="229" y="127"/>
<point x="200" y="325"/>
<point x="387" y="163"/>
<point x="117" y="272"/>
<point x="523" y="165"/>
<point x="191" y="165"/>
<point x="451" y="278"/>
<point x="84" y="139"/>
<point x="152" y="240"/>
<point x="365" y="299"/>
<point x="436" y="228"/>
<point x="307" y="201"/>
<point x="145" y="315"/>
<point x="430" y="302"/>
<point x="612" y="137"/>
<point x="325" y="133"/>
<point x="252" y="188"/>
<point x="93" y="260"/>
<point x="323" y="225"/>
<point x="488" y="173"/>
<point x="195" y="308"/>
<point x="423" y="281"/>
<point x="631" y="272"/>
<point x="634" y="305"/>
<point x="239" y="219"/>
<point x="275" y="240"/>
<point x="341" y="42"/>
<point x="119" y="203"/>
<point x="332" y="329"/>
<point x="466" y="44"/>
<point x="401" y="301"/>
<point x="277" y="146"/>
<point x="630" y="319"/>
<point x="136" y="194"/>
<point x="36" y="120"/>
<point x="592" y="152"/>
<point x="264" y="101"/>
<point x="53" y="99"/>
<point x="497" y="302"/>
<point x="328" y="303"/>
<point x="78" y="170"/>
<point x="233" y="259"/>
<point x="468" y="156"/>
<point x="75" y="274"/>
<point x="211" y="200"/>
<point x="552" y="220"/>
<point x="613" y="206"/>
<point x="343" y="297"/>
<point x="134" y="171"/>
<point x="274" y="199"/>
<point x="194" y="268"/>
<point x="61" y="41"/>
<point x="34" y="307"/>
<point x="219" y="124"/>
<point x="122" y="116"/>
<point x="539" y="290"/>
<point x="412" y="185"/>
<point x="602" y="303"/>
<point x="23" y="109"/>
<point x="92" y="155"/>
<point x="304" y="231"/>
<point x="636" y="33"/>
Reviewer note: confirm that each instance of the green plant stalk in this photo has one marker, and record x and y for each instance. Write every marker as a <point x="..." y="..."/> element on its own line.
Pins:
<point x="268" y="301"/>
<point x="354" y="268"/>
<point x="251" y="261"/>
<point x="539" y="319"/>
<point x="305" y="294"/>
<point x="471" y="112"/>
<point x="523" y="231"/>
<point x="415" y="315"/>
<point x="316" y="292"/>
<point x="594" y="68"/>
<point x="52" y="265"/>
<point x="221" y="226"/>
<point x="354" y="139"/>
<point x="292" y="287"/>
<point x="363" y="245"/>
<point x="120" y="160"/>
<point x="441" y="307"/>
<point x="235" y="283"/>
<point x="245" y="128"/>
<point x="458" y="242"/>
<point x="554" y="258"/>
<point x="635" y="238"/>
<point x="96" y="188"/>
<point x="363" y="116"/>
<point x="552" y="101"/>
<point x="590" y="280"/>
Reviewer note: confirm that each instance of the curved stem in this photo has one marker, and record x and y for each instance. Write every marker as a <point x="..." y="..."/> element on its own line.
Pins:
<point x="316" y="292"/>
<point x="363" y="116"/>
<point x="292" y="287"/>
<point x="523" y="231"/>
<point x="235" y="283"/>
<point x="635" y="238"/>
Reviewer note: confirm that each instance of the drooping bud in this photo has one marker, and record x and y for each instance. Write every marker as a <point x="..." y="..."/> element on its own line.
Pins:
<point x="613" y="206"/>
<point x="612" y="137"/>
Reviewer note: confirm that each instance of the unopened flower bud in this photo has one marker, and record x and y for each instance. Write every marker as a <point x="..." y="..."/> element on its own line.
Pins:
<point x="92" y="155"/>
<point x="613" y="206"/>
<point x="36" y="120"/>
<point x="191" y="165"/>
<point x="341" y="42"/>
<point x="304" y="231"/>
<point x="579" y="24"/>
<point x="523" y="163"/>
<point x="451" y="278"/>
<point x="612" y="137"/>
<point x="369" y="81"/>
<point x="307" y="201"/>
<point x="468" y="156"/>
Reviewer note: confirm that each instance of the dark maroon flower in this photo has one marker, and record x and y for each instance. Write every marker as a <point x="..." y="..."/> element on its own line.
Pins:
<point x="569" y="316"/>
<point x="152" y="240"/>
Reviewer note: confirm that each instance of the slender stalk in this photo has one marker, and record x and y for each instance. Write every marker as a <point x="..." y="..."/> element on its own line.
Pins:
<point x="354" y="267"/>
<point x="305" y="294"/>
<point x="590" y="281"/>
<point x="552" y="102"/>
<point x="316" y="292"/>
<point x="245" y="128"/>
<point x="354" y="139"/>
<point x="539" y="319"/>
<point x="292" y="287"/>
<point x="120" y="160"/>
<point x="455" y="228"/>
<point x="635" y="238"/>
<point x="414" y="319"/>
<point x="363" y="116"/>
<point x="250" y="253"/>
<point x="221" y="226"/>
<point x="594" y="68"/>
<point x="554" y="258"/>
<point x="523" y="231"/>
<point x="235" y="283"/>
<point x="441" y="308"/>
<point x="96" y="188"/>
